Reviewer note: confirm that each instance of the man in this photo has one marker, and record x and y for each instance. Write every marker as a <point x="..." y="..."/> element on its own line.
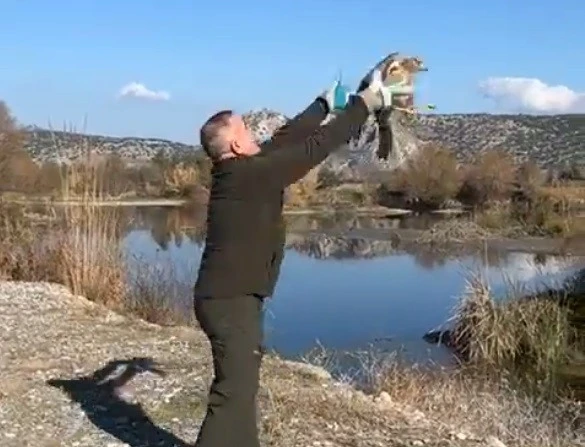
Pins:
<point x="245" y="240"/>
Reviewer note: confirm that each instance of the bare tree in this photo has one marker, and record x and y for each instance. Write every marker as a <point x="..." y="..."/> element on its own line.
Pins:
<point x="15" y="163"/>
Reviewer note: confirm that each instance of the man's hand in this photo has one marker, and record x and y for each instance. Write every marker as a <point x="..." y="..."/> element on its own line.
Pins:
<point x="374" y="88"/>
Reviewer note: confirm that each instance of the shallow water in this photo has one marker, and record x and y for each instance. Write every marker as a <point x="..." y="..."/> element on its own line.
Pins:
<point x="349" y="293"/>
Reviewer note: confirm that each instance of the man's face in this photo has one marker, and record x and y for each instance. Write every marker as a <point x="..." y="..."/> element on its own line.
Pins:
<point x="240" y="137"/>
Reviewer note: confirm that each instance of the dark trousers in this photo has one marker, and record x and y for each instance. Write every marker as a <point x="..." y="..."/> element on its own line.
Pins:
<point x="234" y="328"/>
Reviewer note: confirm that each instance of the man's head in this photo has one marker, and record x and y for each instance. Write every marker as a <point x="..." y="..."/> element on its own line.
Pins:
<point x="225" y="135"/>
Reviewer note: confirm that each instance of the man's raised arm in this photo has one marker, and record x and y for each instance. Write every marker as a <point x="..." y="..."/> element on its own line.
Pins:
<point x="299" y="127"/>
<point x="287" y="165"/>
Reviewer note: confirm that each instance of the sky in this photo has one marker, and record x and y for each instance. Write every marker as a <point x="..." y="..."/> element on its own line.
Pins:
<point x="154" y="68"/>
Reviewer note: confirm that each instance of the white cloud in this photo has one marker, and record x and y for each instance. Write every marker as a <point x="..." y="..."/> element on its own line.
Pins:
<point x="138" y="90"/>
<point x="531" y="94"/>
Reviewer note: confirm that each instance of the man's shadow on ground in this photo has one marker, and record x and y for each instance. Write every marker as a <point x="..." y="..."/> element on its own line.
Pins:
<point x="98" y="395"/>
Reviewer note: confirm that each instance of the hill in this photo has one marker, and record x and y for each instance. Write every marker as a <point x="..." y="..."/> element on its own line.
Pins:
<point x="64" y="147"/>
<point x="550" y="140"/>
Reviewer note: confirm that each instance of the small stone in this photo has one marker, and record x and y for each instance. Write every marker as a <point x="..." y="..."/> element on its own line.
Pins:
<point x="492" y="441"/>
<point x="383" y="400"/>
<point x="418" y="442"/>
<point x="458" y="435"/>
<point x="384" y="396"/>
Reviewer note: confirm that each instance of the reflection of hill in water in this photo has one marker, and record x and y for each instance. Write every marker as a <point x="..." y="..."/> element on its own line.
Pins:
<point x="322" y="237"/>
<point x="323" y="246"/>
<point x="501" y="265"/>
<point x="340" y="223"/>
<point x="171" y="225"/>
<point x="327" y="246"/>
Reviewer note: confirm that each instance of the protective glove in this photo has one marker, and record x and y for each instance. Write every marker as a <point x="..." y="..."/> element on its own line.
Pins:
<point x="336" y="96"/>
<point x="377" y="87"/>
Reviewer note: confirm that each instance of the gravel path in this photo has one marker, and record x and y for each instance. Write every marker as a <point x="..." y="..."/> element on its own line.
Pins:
<point x="75" y="374"/>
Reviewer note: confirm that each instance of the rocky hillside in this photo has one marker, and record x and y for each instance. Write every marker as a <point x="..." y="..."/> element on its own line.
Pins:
<point x="64" y="147"/>
<point x="552" y="140"/>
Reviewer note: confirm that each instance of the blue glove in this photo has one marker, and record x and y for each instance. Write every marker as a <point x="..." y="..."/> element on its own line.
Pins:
<point x="336" y="96"/>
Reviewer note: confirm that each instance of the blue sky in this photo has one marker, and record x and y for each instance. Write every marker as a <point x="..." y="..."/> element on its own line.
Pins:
<point x="63" y="60"/>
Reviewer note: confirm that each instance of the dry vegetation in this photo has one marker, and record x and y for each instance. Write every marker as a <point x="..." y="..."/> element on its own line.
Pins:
<point x="81" y="248"/>
<point x="534" y="335"/>
<point x="504" y="199"/>
<point x="431" y="178"/>
<point x="482" y="406"/>
<point x="185" y="177"/>
<point x="304" y="192"/>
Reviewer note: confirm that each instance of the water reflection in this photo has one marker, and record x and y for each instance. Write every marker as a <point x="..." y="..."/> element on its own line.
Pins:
<point x="171" y="225"/>
<point x="168" y="224"/>
<point x="343" y="222"/>
<point x="324" y="246"/>
<point x="326" y="238"/>
<point x="348" y="292"/>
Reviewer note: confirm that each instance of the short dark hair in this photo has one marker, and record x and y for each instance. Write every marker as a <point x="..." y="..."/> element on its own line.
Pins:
<point x="210" y="131"/>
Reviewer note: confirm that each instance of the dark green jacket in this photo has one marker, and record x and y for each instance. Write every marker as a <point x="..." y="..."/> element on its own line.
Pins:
<point x="245" y="229"/>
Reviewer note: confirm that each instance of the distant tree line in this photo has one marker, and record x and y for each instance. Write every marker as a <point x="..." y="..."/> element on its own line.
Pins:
<point x="164" y="176"/>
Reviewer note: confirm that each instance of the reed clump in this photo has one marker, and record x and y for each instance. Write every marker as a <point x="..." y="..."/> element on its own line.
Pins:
<point x="530" y="335"/>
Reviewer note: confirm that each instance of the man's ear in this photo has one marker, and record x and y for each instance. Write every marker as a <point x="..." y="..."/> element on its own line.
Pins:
<point x="236" y="147"/>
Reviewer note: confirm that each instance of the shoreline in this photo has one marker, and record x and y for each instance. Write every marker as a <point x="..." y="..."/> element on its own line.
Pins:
<point x="156" y="202"/>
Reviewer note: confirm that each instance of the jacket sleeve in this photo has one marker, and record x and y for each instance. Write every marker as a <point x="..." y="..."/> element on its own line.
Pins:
<point x="299" y="127"/>
<point x="287" y="165"/>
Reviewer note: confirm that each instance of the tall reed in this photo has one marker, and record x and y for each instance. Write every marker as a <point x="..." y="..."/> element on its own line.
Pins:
<point x="92" y="256"/>
<point x="531" y="335"/>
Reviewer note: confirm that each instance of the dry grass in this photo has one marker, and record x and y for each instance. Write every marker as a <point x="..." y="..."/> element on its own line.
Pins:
<point x="490" y="178"/>
<point x="81" y="249"/>
<point x="572" y="194"/>
<point x="506" y="386"/>
<point x="303" y="192"/>
<point x="540" y="217"/>
<point x="532" y="335"/>
<point x="92" y="261"/>
<point x="432" y="177"/>
<point x="455" y="231"/>
<point x="156" y="294"/>
<point x="470" y="400"/>
<point x="180" y="179"/>
<point x="24" y="255"/>
<point x="480" y="405"/>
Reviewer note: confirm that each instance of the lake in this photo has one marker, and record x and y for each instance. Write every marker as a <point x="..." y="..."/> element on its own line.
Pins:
<point x="348" y="293"/>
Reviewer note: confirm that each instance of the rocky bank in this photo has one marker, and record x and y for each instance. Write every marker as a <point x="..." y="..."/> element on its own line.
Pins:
<point x="75" y="374"/>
